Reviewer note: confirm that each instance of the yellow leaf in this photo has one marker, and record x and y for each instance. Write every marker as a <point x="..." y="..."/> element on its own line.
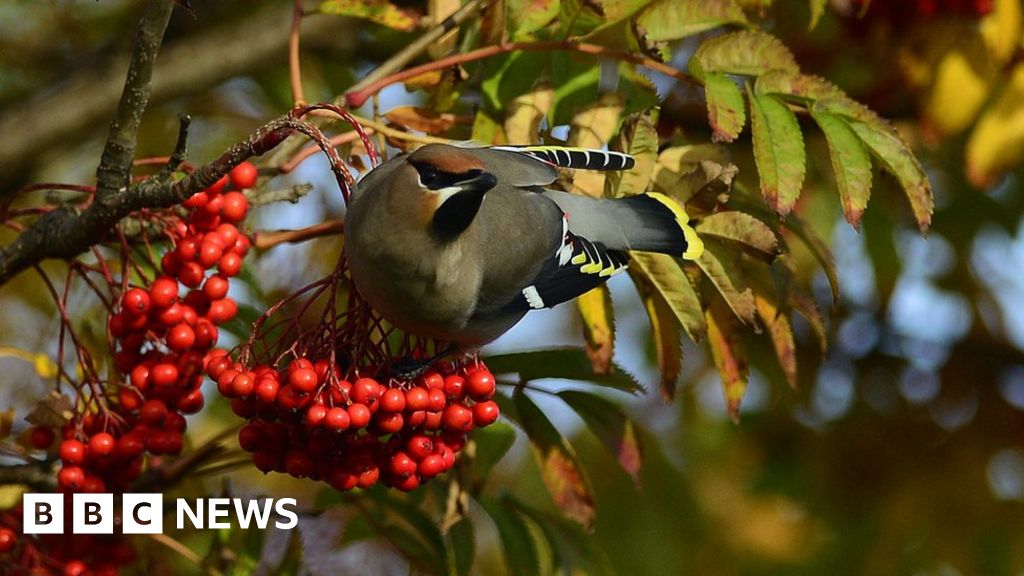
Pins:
<point x="961" y="86"/>
<point x="729" y="353"/>
<point x="593" y="127"/>
<point x="1001" y="29"/>
<point x="10" y="495"/>
<point x="380" y="11"/>
<point x="781" y="332"/>
<point x="598" y="328"/>
<point x="526" y="112"/>
<point x="996" y="144"/>
<point x="665" y="332"/>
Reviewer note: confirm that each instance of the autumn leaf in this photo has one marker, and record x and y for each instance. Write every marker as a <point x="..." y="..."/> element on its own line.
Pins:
<point x="729" y="354"/>
<point x="726" y="109"/>
<point x="850" y="164"/>
<point x="778" y="151"/>
<point x="598" y="327"/>
<point x="611" y="426"/>
<point x="665" y="333"/>
<point x="379" y="11"/>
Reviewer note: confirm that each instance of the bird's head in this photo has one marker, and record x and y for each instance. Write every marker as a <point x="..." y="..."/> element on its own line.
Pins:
<point x="449" y="183"/>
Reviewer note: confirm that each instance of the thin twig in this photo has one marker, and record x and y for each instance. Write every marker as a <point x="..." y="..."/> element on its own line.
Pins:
<point x="266" y="239"/>
<point x="294" y="70"/>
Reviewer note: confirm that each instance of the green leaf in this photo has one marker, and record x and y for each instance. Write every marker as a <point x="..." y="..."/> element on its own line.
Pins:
<point x="598" y="327"/>
<point x="380" y="11"/>
<point x="817" y="11"/>
<point x="462" y="545"/>
<point x="638" y="137"/>
<point x="577" y="551"/>
<point x="665" y="333"/>
<point x="666" y="277"/>
<point x="674" y="19"/>
<point x="726" y="110"/>
<point x="726" y="343"/>
<point x="567" y="363"/>
<point x="778" y="151"/>
<point x="850" y="163"/>
<point x="525" y="552"/>
<point x="507" y="77"/>
<point x="492" y="443"/>
<point x="559" y="466"/>
<point x="716" y="263"/>
<point x="611" y="426"/>
<point x="576" y="85"/>
<point x="742" y="228"/>
<point x="748" y="52"/>
<point x="803" y="87"/>
<point x="527" y="16"/>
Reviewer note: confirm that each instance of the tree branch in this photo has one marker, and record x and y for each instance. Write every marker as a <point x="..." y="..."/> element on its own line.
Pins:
<point x="114" y="172"/>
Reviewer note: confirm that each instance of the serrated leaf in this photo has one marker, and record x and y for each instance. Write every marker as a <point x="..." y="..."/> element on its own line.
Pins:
<point x="748" y="52"/>
<point x="526" y="112"/>
<point x="781" y="332"/>
<point x="638" y="137"/>
<point x="611" y="426"/>
<point x="525" y="553"/>
<point x="567" y="363"/>
<point x="716" y="264"/>
<point x="462" y="545"/>
<point x="525" y="17"/>
<point x="996" y="144"/>
<point x="804" y="87"/>
<point x="664" y="20"/>
<point x="817" y="11"/>
<point x="891" y="151"/>
<point x="744" y="229"/>
<point x="382" y="12"/>
<point x="729" y="353"/>
<point x="593" y="127"/>
<point x="598" y="327"/>
<point x="668" y="279"/>
<point x="560" y="469"/>
<point x="850" y="164"/>
<point x="665" y="333"/>
<point x="778" y="151"/>
<point x="422" y="119"/>
<point x="726" y="110"/>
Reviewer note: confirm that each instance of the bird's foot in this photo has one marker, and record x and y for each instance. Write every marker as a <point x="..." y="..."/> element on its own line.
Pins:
<point x="410" y="368"/>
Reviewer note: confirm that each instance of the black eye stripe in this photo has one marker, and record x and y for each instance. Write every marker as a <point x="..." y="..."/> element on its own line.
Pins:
<point x="435" y="179"/>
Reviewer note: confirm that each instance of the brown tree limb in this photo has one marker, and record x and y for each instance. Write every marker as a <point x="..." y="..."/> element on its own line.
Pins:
<point x="114" y="172"/>
<point x="266" y="239"/>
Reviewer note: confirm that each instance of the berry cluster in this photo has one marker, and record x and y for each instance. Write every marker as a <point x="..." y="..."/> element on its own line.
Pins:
<point x="926" y="8"/>
<point x="307" y="421"/>
<point x="51" y="554"/>
<point x="162" y="339"/>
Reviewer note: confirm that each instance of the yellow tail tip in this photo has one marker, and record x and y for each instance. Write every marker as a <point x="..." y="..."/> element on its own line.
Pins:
<point x="694" y="245"/>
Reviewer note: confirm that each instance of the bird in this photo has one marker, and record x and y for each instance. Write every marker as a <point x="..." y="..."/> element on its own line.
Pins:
<point x="459" y="243"/>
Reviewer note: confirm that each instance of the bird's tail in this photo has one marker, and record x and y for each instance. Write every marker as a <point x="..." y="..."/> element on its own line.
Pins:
<point x="654" y="222"/>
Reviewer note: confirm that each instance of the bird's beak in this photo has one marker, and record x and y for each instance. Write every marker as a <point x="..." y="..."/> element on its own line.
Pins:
<point x="478" y="181"/>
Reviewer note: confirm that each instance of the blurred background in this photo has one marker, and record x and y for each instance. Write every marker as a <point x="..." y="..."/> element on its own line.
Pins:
<point x="902" y="449"/>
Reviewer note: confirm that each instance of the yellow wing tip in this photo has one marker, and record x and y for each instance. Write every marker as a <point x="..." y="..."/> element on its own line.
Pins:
<point x="694" y="245"/>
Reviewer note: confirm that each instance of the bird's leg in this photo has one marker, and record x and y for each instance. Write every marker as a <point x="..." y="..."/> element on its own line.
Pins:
<point x="409" y="368"/>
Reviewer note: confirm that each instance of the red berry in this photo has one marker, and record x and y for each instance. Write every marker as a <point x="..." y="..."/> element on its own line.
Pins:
<point x="250" y="437"/>
<point x="420" y="446"/>
<point x="402" y="464"/>
<point x="140" y="377"/>
<point x="393" y="400"/>
<point x="135" y="302"/>
<point x="222" y="310"/>
<point x="265" y="461"/>
<point x="359" y="415"/>
<point x="219" y="186"/>
<point x="454" y="388"/>
<point x="242" y="385"/>
<point x="216" y="287"/>
<point x="243" y="176"/>
<point x="181" y="338"/>
<point x="416" y="399"/>
<point x="191" y="274"/>
<point x="41" y="437"/>
<point x="458" y="417"/>
<point x="408" y="483"/>
<point x="298" y="464"/>
<point x="153" y="412"/>
<point x="74" y="568"/>
<point x="236" y="205"/>
<point x="129" y="399"/>
<point x="315" y="415"/>
<point x="163" y="292"/>
<point x="433" y="380"/>
<point x="173" y="314"/>
<point x="164" y="374"/>
<point x="186" y="250"/>
<point x="206" y="334"/>
<point x="230" y="264"/>
<point x="480" y="385"/>
<point x="366" y="391"/>
<point x="169" y="264"/>
<point x="210" y="251"/>
<point x="433" y="420"/>
<point x="447" y="457"/>
<point x="303" y="379"/>
<point x="416" y="419"/>
<point x="211" y="210"/>
<point x="369" y="477"/>
<point x="485" y="413"/>
<point x="389" y="422"/>
<point x="72" y="452"/>
<point x="197" y="200"/>
<point x="229" y="233"/>
<point x="174" y="422"/>
<point x="437" y="399"/>
<point x="342" y="479"/>
<point x="337" y="418"/>
<point x="8" y="539"/>
<point x="70" y="478"/>
<point x="266" y="390"/>
<point x="430" y="466"/>
<point x="191" y="403"/>
<point x="130" y="445"/>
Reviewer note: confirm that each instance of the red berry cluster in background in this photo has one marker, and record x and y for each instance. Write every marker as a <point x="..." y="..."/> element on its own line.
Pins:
<point x="909" y="10"/>
<point x="307" y="421"/>
<point x="67" y="555"/>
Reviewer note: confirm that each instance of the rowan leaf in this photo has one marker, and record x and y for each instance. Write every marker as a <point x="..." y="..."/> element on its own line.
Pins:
<point x="560" y="468"/>
<point x="598" y="327"/>
<point x="850" y="164"/>
<point x="638" y="137"/>
<point x="525" y="17"/>
<point x="461" y="546"/>
<point x="381" y="12"/>
<point x="611" y="426"/>
<point x="885" y="144"/>
<point x="781" y="332"/>
<point x="593" y="127"/>
<point x="422" y="119"/>
<point x="778" y="151"/>
<point x="742" y="228"/>
<point x="526" y="112"/>
<point x="726" y="109"/>
<point x="526" y="551"/>
<point x="664" y="20"/>
<point x="747" y="52"/>
<point x="803" y="87"/>
<point x="665" y="332"/>
<point x="566" y="363"/>
<point x="729" y="353"/>
<point x="716" y="263"/>
<point x="678" y="171"/>
<point x="668" y="279"/>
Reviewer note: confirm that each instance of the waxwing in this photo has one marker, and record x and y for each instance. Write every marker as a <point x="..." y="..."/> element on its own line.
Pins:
<point x="458" y="243"/>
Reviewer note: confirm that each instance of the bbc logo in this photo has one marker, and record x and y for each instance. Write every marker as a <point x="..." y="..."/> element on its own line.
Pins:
<point x="93" y="514"/>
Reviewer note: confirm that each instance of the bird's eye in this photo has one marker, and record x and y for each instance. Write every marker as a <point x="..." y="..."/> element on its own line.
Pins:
<point x="428" y="175"/>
